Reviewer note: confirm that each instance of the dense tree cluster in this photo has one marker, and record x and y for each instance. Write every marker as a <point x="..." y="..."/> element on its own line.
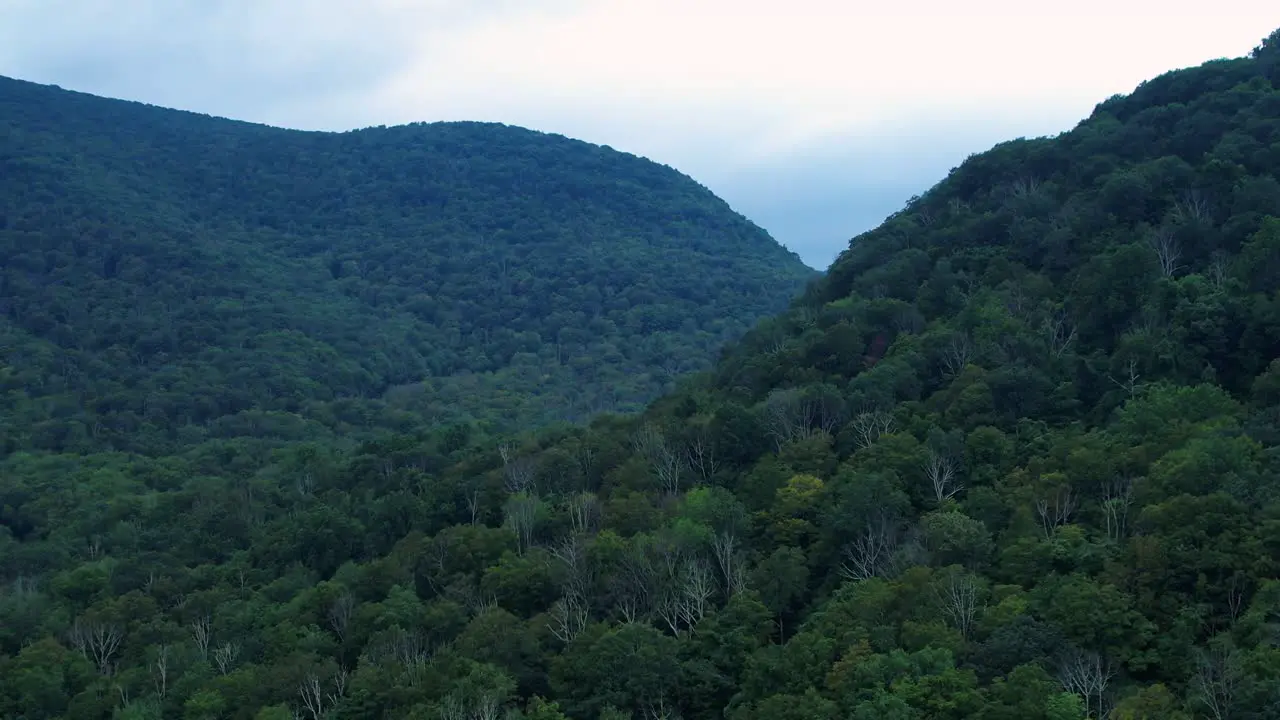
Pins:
<point x="167" y="277"/>
<point x="1015" y="456"/>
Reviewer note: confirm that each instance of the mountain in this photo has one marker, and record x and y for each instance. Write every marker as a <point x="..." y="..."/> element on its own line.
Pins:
<point x="167" y="277"/>
<point x="1015" y="456"/>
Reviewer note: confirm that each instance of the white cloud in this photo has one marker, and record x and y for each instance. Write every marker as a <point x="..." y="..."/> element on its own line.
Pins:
<point x="784" y="73"/>
<point x="737" y="93"/>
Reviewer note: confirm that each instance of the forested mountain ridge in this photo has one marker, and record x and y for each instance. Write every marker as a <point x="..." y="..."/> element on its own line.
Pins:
<point x="167" y="277"/>
<point x="1013" y="457"/>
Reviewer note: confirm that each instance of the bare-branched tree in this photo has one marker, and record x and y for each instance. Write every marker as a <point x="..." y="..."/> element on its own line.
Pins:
<point x="1237" y="588"/>
<point x="670" y="609"/>
<point x="517" y="470"/>
<point x="521" y="511"/>
<point x="633" y="585"/>
<point x="958" y="595"/>
<point x="584" y="513"/>
<point x="942" y="470"/>
<point x="340" y="678"/>
<point x="733" y="572"/>
<point x="1128" y="381"/>
<point x="487" y="706"/>
<point x="870" y="553"/>
<point x="1193" y="206"/>
<point x="577" y="571"/>
<point x="160" y="672"/>
<point x="658" y="708"/>
<point x="957" y="353"/>
<point x="869" y="425"/>
<point x="402" y="649"/>
<point x="1216" y="684"/>
<point x="627" y="601"/>
<point x="318" y="696"/>
<point x="340" y="614"/>
<point x="97" y="641"/>
<point x="1055" y="508"/>
<point x="435" y="560"/>
<point x="471" y="497"/>
<point x="664" y="457"/>
<point x="697" y="586"/>
<point x="830" y="409"/>
<point x="1167" y="251"/>
<point x="201" y="630"/>
<point x="314" y="697"/>
<point x="584" y="458"/>
<point x="1060" y="332"/>
<point x="224" y="656"/>
<point x="567" y="618"/>
<point x="702" y="456"/>
<point x="789" y="416"/>
<point x="1219" y="270"/>
<point x="1086" y="674"/>
<point x="1117" y="498"/>
<point x="668" y="590"/>
<point x="453" y="707"/>
<point x="1018" y="301"/>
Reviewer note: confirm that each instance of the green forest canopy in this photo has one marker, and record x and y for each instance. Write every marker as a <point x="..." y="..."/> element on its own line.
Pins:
<point x="1015" y="456"/>
<point x="167" y="277"/>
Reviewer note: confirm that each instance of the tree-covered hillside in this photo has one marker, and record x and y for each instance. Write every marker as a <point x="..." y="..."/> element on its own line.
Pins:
<point x="167" y="277"/>
<point x="1014" y="458"/>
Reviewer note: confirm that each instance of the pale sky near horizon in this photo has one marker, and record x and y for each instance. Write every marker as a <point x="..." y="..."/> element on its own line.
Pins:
<point x="814" y="118"/>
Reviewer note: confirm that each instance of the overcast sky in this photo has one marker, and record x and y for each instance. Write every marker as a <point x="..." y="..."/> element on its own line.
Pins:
<point x="815" y="118"/>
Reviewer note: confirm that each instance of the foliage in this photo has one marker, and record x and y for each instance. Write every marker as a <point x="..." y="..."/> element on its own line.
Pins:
<point x="168" y="278"/>
<point x="1015" y="456"/>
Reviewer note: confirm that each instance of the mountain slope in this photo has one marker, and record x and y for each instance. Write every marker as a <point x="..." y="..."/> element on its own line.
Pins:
<point x="164" y="273"/>
<point x="1015" y="456"/>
